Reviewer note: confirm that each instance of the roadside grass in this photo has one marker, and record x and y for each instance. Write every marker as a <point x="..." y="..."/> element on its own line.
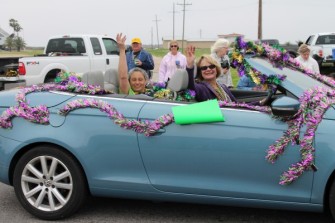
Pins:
<point x="23" y="53"/>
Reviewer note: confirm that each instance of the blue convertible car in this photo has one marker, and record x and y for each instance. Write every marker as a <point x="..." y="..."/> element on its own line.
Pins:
<point x="57" y="147"/>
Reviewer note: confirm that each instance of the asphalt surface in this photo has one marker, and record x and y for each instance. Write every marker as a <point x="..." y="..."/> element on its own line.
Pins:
<point x="120" y="210"/>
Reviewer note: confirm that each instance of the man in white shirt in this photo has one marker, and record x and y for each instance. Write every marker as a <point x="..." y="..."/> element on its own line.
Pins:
<point x="306" y="60"/>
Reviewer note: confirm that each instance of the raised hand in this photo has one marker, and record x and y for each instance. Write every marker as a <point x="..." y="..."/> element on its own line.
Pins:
<point x="190" y="56"/>
<point x="121" y="41"/>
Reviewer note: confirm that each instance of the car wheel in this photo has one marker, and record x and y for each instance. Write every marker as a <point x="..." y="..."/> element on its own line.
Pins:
<point x="49" y="183"/>
<point x="332" y="200"/>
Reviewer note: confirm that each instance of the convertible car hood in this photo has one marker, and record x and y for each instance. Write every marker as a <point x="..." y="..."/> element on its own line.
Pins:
<point x="50" y="99"/>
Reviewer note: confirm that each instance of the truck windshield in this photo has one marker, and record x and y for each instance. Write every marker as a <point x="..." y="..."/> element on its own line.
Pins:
<point x="326" y="39"/>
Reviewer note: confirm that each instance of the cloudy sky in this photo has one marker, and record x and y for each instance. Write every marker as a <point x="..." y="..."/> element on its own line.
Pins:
<point x="286" y="20"/>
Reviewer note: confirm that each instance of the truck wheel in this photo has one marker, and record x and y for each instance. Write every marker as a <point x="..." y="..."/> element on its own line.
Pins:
<point x="49" y="183"/>
<point x="50" y="77"/>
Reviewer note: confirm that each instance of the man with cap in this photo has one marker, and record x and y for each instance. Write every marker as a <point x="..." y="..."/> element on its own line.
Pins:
<point x="138" y="57"/>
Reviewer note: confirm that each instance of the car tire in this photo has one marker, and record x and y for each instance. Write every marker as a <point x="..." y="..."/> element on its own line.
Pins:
<point x="49" y="183"/>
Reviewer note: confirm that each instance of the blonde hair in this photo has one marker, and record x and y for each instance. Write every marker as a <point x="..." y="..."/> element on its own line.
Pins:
<point x="210" y="60"/>
<point x="220" y="43"/>
<point x="303" y="49"/>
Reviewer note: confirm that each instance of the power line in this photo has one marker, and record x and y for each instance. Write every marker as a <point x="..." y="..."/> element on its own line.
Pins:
<point x="156" y="20"/>
<point x="182" y="40"/>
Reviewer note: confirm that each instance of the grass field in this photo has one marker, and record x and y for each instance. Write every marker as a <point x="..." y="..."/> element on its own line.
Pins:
<point x="24" y="53"/>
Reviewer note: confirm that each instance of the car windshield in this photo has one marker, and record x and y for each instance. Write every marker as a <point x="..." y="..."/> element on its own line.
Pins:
<point x="296" y="82"/>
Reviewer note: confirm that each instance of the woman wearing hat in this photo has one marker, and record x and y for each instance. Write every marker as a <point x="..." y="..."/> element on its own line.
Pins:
<point x="306" y="60"/>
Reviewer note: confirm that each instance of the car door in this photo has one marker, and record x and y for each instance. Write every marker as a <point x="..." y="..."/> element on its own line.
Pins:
<point x="112" y="53"/>
<point x="225" y="159"/>
<point x="108" y="152"/>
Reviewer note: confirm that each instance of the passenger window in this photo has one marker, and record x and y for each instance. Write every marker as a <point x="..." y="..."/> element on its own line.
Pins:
<point x="111" y="46"/>
<point x="96" y="46"/>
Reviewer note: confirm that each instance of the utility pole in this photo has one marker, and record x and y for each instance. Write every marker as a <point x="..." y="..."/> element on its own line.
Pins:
<point x="173" y="21"/>
<point x="152" y="38"/>
<point x="182" y="40"/>
<point x="174" y="12"/>
<point x="156" y="20"/>
<point x="260" y="19"/>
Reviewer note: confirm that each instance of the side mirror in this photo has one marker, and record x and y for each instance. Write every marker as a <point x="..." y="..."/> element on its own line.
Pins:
<point x="285" y="106"/>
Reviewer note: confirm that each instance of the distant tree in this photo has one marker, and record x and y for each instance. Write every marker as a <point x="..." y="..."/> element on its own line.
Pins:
<point x="15" y="25"/>
<point x="9" y="42"/>
<point x="19" y="43"/>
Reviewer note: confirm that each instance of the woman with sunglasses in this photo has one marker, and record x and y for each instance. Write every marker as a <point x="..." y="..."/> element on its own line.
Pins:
<point x="207" y="71"/>
<point x="172" y="61"/>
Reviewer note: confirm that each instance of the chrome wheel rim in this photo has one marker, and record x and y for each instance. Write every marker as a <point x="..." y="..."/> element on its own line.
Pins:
<point x="46" y="183"/>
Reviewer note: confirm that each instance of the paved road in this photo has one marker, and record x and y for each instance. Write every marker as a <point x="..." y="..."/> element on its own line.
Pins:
<point x="119" y="210"/>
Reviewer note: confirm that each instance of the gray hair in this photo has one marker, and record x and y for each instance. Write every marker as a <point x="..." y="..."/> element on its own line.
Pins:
<point x="220" y="43"/>
<point x="145" y="75"/>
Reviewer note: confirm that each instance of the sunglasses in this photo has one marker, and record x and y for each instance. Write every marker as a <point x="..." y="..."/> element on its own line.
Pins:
<point x="203" y="68"/>
<point x="173" y="46"/>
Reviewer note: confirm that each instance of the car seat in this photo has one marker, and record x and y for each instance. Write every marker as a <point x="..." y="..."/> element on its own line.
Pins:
<point x="111" y="80"/>
<point x="94" y="78"/>
<point x="178" y="82"/>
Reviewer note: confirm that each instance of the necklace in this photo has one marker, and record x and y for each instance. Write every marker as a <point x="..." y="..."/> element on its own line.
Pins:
<point x="221" y="94"/>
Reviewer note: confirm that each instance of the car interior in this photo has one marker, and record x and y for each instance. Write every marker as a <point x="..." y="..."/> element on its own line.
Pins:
<point x="179" y="82"/>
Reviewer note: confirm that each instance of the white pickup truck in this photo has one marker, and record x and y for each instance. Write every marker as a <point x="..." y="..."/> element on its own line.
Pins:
<point x="322" y="47"/>
<point x="70" y="53"/>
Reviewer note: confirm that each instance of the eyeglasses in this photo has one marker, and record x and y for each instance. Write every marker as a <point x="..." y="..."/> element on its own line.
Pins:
<point x="173" y="46"/>
<point x="203" y="68"/>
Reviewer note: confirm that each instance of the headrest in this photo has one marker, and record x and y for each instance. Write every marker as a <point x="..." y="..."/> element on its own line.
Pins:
<point x="111" y="80"/>
<point x="94" y="78"/>
<point x="179" y="81"/>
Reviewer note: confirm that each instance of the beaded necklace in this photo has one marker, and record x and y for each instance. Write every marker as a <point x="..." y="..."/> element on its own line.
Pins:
<point x="221" y="94"/>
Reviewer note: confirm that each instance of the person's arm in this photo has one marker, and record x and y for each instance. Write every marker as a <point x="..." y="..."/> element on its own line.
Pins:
<point x="147" y="62"/>
<point x="162" y="70"/>
<point x="123" y="69"/>
<point x="183" y="61"/>
<point x="190" y="58"/>
<point x="229" y="79"/>
<point x="245" y="84"/>
<point x="316" y="67"/>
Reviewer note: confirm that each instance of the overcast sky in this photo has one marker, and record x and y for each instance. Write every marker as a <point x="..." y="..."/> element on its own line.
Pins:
<point x="286" y="20"/>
